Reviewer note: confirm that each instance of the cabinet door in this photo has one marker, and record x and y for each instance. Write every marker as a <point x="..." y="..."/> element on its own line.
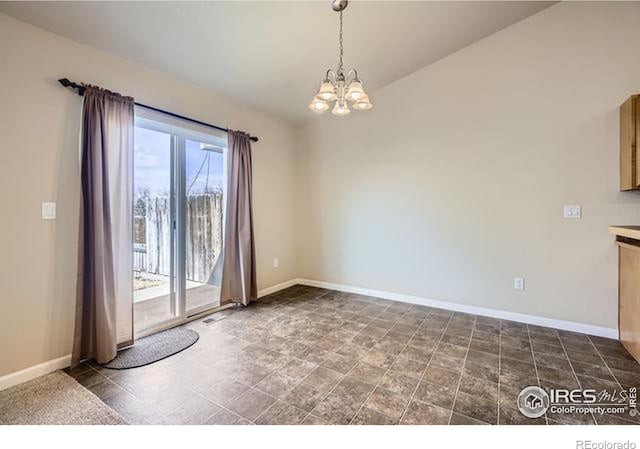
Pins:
<point x="629" y="162"/>
<point x="629" y="297"/>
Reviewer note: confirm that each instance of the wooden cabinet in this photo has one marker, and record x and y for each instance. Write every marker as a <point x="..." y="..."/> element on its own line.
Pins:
<point x="628" y="241"/>
<point x="629" y="297"/>
<point x="629" y="147"/>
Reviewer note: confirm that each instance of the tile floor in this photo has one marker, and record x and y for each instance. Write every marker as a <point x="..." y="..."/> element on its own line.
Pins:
<point x="313" y="356"/>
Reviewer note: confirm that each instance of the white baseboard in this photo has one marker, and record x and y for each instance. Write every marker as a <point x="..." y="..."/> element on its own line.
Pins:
<point x="483" y="311"/>
<point x="32" y="372"/>
<point x="277" y="287"/>
<point x="41" y="369"/>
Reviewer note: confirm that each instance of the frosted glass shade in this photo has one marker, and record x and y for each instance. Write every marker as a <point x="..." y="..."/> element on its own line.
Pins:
<point x="355" y="91"/>
<point x="363" y="103"/>
<point x="327" y="92"/>
<point x="318" y="105"/>
<point x="341" y="108"/>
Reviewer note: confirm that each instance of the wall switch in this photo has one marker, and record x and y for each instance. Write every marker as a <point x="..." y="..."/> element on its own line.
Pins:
<point x="572" y="211"/>
<point x="518" y="283"/>
<point x="48" y="211"/>
<point x="275" y="263"/>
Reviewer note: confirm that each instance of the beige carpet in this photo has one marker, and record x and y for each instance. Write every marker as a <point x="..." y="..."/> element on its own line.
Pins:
<point x="55" y="398"/>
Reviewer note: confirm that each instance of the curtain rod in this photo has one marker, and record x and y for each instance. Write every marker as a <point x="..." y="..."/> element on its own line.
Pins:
<point x="68" y="83"/>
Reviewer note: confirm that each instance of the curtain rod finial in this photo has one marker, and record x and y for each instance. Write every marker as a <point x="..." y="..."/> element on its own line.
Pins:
<point x="66" y="82"/>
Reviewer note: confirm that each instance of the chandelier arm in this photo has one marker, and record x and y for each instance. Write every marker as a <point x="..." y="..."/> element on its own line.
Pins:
<point x="330" y="72"/>
<point x="353" y="72"/>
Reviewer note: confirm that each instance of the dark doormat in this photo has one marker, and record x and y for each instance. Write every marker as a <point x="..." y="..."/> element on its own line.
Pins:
<point x="154" y="347"/>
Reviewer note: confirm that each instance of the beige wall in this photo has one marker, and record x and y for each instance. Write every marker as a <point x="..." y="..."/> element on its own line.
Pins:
<point x="39" y="125"/>
<point x="454" y="183"/>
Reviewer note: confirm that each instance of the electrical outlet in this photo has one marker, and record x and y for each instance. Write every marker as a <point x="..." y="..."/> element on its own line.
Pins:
<point x="518" y="283"/>
<point x="572" y="211"/>
<point x="276" y="263"/>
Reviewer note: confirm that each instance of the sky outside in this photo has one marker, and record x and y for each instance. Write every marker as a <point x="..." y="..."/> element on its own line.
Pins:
<point x="151" y="156"/>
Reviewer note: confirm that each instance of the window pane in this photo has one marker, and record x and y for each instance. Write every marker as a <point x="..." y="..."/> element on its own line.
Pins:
<point x="204" y="206"/>
<point x="152" y="254"/>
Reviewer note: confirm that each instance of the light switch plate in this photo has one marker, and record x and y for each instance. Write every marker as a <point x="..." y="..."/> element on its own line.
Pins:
<point x="518" y="283"/>
<point x="572" y="211"/>
<point x="48" y="211"/>
<point x="276" y="263"/>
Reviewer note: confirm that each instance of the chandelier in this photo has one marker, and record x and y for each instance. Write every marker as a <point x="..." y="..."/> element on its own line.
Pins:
<point x="338" y="85"/>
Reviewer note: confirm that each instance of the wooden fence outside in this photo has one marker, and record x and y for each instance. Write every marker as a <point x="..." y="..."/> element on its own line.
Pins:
<point x="203" y="224"/>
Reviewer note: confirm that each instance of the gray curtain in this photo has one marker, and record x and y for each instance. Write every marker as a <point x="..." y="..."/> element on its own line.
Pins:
<point x="104" y="306"/>
<point x="239" y="265"/>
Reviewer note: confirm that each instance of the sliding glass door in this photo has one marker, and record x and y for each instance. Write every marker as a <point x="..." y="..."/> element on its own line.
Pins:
<point x="154" y="243"/>
<point x="204" y="210"/>
<point x="179" y="179"/>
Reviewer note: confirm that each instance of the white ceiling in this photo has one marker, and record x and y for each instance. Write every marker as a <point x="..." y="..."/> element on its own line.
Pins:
<point x="272" y="55"/>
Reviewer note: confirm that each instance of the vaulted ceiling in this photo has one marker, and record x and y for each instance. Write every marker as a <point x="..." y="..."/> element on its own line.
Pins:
<point x="272" y="55"/>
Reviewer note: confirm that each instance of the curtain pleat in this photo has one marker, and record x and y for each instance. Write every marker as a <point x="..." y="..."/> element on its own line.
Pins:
<point x="104" y="300"/>
<point x="239" y="265"/>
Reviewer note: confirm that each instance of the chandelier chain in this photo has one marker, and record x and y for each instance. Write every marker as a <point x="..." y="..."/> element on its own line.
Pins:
<point x="341" y="46"/>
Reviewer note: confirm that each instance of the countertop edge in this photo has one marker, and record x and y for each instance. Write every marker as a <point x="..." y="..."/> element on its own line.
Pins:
<point x="631" y="232"/>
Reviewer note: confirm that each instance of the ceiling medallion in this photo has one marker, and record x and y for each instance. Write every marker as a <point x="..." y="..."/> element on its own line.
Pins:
<point x="341" y="86"/>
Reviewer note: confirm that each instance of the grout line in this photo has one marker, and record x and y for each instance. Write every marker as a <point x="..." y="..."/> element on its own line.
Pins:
<point x="249" y="387"/>
<point x="180" y="384"/>
<point x="572" y="370"/>
<point x="194" y="391"/>
<point x="356" y="364"/>
<point x="392" y="363"/>
<point x="289" y="360"/>
<point x="455" y="397"/>
<point x="269" y="407"/>
<point x="535" y="366"/>
<point x="330" y="308"/>
<point x="129" y="391"/>
<point x="345" y="375"/>
<point x="228" y="402"/>
<point x="605" y="363"/>
<point x="613" y="375"/>
<point x="252" y="387"/>
<point x="427" y="367"/>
